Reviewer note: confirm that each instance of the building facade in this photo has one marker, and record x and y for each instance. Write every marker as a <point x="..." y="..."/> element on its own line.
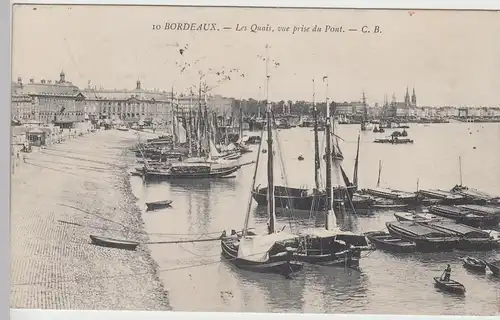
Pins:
<point x="129" y="105"/>
<point x="47" y="101"/>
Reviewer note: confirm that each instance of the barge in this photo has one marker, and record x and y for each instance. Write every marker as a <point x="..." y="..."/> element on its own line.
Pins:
<point x="475" y="196"/>
<point x="471" y="239"/>
<point x="395" y="195"/>
<point x="384" y="241"/>
<point x="426" y="239"/>
<point x="445" y="197"/>
<point x="462" y="215"/>
<point x="491" y="214"/>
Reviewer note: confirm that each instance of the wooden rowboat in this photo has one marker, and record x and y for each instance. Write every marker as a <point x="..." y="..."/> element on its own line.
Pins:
<point x="474" y="264"/>
<point x="451" y="286"/>
<point x="494" y="267"/>
<point x="114" y="243"/>
<point x="158" y="204"/>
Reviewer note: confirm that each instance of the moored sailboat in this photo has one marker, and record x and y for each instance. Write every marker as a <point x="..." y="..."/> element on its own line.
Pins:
<point x="330" y="245"/>
<point x="266" y="253"/>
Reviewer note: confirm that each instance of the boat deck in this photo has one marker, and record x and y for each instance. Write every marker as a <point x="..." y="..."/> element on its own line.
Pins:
<point x="440" y="194"/>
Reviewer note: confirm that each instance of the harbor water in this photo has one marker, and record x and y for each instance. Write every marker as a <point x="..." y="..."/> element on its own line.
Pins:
<point x="198" y="279"/>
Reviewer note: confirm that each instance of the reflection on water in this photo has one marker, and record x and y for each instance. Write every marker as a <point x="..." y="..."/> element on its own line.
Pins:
<point x="387" y="283"/>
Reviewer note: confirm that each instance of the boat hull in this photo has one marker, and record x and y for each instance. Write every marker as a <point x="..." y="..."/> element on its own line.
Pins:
<point x="284" y="265"/>
<point x="476" y="266"/>
<point x="495" y="268"/>
<point x="449" y="286"/>
<point x="191" y="175"/>
<point x="158" y="205"/>
<point x="423" y="244"/>
<point x="113" y="243"/>
<point x="384" y="241"/>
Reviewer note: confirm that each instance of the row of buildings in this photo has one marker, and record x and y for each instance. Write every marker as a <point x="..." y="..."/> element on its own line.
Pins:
<point x="409" y="109"/>
<point x="62" y="103"/>
<point x="392" y="109"/>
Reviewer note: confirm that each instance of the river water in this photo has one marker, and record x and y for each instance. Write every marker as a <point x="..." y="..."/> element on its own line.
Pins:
<point x="198" y="280"/>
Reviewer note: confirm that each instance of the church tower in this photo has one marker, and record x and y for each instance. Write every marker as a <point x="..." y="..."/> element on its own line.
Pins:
<point x="414" y="98"/>
<point x="407" y="98"/>
<point x="62" y="77"/>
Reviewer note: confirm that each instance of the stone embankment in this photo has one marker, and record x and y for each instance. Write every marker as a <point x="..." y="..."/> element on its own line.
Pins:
<point x="53" y="264"/>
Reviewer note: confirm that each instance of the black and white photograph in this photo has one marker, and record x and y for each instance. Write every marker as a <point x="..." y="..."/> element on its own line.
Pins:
<point x="245" y="159"/>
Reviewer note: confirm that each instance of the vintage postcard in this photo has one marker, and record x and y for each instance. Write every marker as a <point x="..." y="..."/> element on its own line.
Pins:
<point x="255" y="160"/>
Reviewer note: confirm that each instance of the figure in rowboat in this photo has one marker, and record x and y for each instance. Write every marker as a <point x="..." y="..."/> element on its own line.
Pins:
<point x="447" y="274"/>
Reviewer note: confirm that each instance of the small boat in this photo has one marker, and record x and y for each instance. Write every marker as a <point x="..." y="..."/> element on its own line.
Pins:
<point x="451" y="286"/>
<point x="384" y="241"/>
<point x="158" y="204"/>
<point x="300" y="158"/>
<point x="474" y="264"/>
<point x="114" y="243"/>
<point x="494" y="266"/>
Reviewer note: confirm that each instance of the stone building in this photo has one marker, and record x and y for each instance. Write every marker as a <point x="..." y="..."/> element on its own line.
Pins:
<point x="59" y="102"/>
<point x="129" y="105"/>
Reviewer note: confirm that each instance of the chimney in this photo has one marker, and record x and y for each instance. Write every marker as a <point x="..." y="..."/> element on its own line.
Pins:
<point x="138" y="84"/>
<point x="43" y="81"/>
<point x="32" y="80"/>
<point x="49" y="82"/>
<point x="19" y="81"/>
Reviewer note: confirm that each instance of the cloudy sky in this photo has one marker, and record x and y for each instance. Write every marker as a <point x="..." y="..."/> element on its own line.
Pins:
<point x="451" y="58"/>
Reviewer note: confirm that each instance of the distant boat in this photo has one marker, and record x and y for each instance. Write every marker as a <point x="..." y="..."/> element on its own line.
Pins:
<point x="114" y="243"/>
<point x="158" y="204"/>
<point x="122" y="128"/>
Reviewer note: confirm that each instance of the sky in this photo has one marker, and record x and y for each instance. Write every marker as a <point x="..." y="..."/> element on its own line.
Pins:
<point x="449" y="57"/>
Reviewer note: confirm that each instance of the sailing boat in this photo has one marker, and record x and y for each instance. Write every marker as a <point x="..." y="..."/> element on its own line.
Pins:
<point x="330" y="245"/>
<point x="298" y="198"/>
<point x="197" y="167"/>
<point x="265" y="253"/>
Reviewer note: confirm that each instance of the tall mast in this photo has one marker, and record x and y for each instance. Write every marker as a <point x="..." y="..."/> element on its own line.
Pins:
<point x="356" y="167"/>
<point x="316" y="140"/>
<point x="363" y="122"/>
<point x="189" y="130"/>
<point x="198" y="127"/>
<point x="241" y="121"/>
<point x="379" y="172"/>
<point x="270" y="172"/>
<point x="174" y="131"/>
<point x="460" y="168"/>
<point x="330" y="215"/>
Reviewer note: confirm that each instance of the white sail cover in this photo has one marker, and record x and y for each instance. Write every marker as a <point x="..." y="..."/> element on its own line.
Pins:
<point x="182" y="134"/>
<point x="323" y="233"/>
<point x="256" y="248"/>
<point x="213" y="150"/>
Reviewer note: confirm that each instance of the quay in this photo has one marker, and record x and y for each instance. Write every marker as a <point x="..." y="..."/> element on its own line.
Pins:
<point x="53" y="265"/>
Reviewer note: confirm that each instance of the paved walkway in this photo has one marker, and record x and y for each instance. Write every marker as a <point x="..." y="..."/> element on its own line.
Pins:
<point x="53" y="264"/>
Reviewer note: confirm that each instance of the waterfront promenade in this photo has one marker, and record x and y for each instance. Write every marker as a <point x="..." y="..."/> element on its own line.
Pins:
<point x="53" y="265"/>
